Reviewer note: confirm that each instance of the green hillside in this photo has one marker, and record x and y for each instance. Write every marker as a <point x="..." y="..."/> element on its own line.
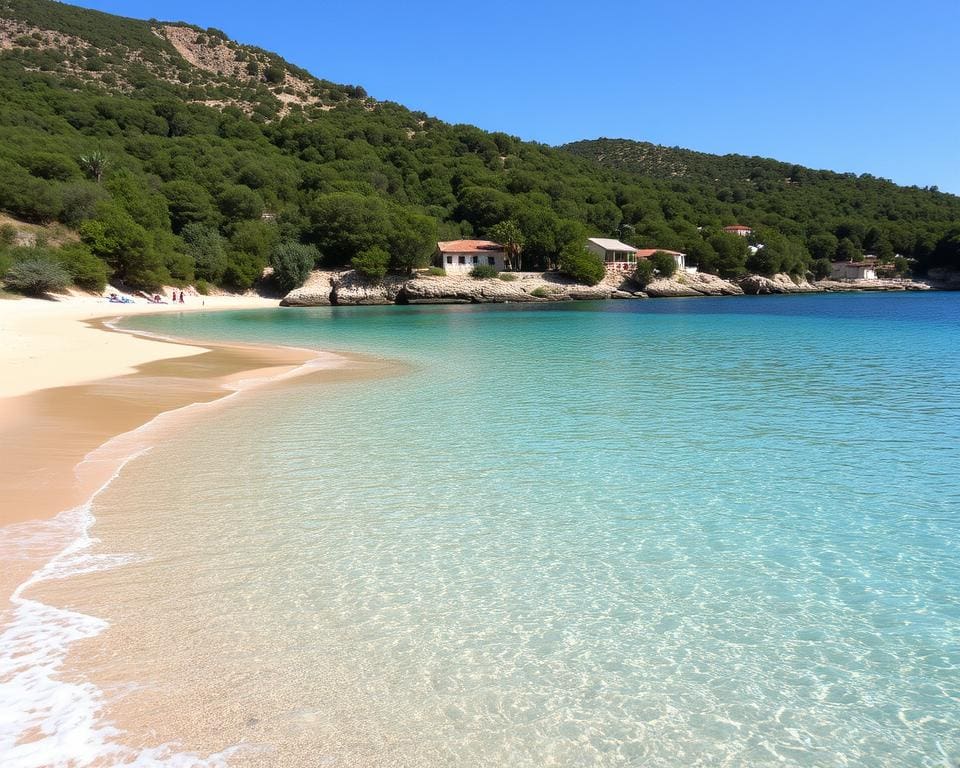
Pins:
<point x="178" y="155"/>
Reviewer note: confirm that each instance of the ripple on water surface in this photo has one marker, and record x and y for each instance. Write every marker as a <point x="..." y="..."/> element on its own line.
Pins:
<point x="659" y="534"/>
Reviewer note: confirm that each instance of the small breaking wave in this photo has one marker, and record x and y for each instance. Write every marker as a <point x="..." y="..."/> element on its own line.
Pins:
<point x="46" y="719"/>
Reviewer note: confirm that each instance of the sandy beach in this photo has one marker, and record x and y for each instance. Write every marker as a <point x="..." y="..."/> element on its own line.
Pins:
<point x="52" y="343"/>
<point x="70" y="383"/>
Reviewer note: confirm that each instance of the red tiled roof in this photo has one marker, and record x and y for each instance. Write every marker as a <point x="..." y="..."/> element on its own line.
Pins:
<point x="468" y="246"/>
<point x="646" y="253"/>
<point x="737" y="228"/>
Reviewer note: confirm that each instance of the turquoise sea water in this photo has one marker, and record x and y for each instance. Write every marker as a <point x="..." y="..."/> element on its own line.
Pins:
<point x="665" y="533"/>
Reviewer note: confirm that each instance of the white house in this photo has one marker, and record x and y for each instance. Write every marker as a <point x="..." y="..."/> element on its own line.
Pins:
<point x="680" y="258"/>
<point x="853" y="270"/>
<point x="617" y="256"/>
<point x="458" y="257"/>
<point x="739" y="229"/>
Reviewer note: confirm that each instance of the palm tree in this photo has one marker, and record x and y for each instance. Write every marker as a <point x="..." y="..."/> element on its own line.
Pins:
<point x="94" y="163"/>
<point x="508" y="234"/>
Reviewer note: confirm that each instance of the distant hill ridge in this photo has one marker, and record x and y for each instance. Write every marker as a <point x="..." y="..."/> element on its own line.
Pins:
<point x="661" y="162"/>
<point x="197" y="65"/>
<point x="174" y="154"/>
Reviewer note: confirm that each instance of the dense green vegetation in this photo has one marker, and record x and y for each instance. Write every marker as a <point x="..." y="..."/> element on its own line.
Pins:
<point x="801" y="215"/>
<point x="165" y="189"/>
<point x="664" y="264"/>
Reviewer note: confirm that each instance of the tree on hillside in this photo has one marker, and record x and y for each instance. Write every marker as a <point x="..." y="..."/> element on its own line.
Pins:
<point x="508" y="234"/>
<point x="731" y="253"/>
<point x="292" y="263"/>
<point x="344" y="223"/>
<point x="947" y="251"/>
<point x="822" y="245"/>
<point x="86" y="270"/>
<point x="94" y="164"/>
<point x="208" y="249"/>
<point x="411" y="238"/>
<point x="372" y="263"/>
<point x="79" y="201"/>
<point x="125" y="246"/>
<point x="238" y="201"/>
<point x="821" y="269"/>
<point x="189" y="203"/>
<point x="848" y="251"/>
<point x="700" y="254"/>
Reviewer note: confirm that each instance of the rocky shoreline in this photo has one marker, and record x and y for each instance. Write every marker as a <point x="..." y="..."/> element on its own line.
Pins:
<point x="327" y="288"/>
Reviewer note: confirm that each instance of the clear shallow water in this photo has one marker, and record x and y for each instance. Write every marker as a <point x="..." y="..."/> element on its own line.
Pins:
<point x="663" y="533"/>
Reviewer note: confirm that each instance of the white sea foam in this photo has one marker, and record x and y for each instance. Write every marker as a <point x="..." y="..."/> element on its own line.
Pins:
<point x="46" y="719"/>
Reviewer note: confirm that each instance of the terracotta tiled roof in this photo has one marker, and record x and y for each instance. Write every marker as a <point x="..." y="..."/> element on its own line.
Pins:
<point x="468" y="246"/>
<point x="646" y="253"/>
<point x="737" y="228"/>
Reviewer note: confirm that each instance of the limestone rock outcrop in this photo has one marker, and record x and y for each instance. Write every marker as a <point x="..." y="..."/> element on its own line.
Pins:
<point x="697" y="284"/>
<point x="350" y="289"/>
<point x="871" y="285"/>
<point x="315" y="292"/>
<point x="346" y="288"/>
<point x="780" y="283"/>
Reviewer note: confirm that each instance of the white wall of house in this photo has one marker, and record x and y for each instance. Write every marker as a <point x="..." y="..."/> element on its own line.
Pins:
<point x="613" y="256"/>
<point x="462" y="263"/>
<point x="842" y="270"/>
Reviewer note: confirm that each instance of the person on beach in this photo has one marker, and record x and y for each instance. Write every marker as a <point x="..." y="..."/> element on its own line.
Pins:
<point x="181" y="297"/>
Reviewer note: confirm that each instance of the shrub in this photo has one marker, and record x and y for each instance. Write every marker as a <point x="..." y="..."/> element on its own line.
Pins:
<point x="580" y="264"/>
<point x="437" y="272"/>
<point x="644" y="273"/>
<point x="821" y="269"/>
<point x="372" y="263"/>
<point x="292" y="262"/>
<point x="79" y="200"/>
<point x="203" y="287"/>
<point x="540" y="293"/>
<point x="274" y="74"/>
<point x="483" y="272"/>
<point x="52" y="166"/>
<point x="8" y="234"/>
<point x="207" y="248"/>
<point x="36" y="276"/>
<point x="664" y="263"/>
<point x="507" y="277"/>
<point x="85" y="269"/>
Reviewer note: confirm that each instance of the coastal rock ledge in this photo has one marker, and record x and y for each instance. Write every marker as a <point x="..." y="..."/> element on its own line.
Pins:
<point x="347" y="288"/>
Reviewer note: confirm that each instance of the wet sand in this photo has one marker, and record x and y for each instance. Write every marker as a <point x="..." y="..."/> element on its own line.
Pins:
<point x="46" y="435"/>
<point x="60" y="445"/>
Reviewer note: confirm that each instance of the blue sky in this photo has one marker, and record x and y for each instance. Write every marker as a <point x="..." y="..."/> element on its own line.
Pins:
<point x="849" y="85"/>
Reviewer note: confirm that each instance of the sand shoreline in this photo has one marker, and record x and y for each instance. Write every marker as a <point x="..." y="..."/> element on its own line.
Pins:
<point x="73" y="384"/>
<point x="63" y="441"/>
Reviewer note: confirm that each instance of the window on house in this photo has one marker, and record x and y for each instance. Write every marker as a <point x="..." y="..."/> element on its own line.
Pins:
<point x="491" y="261"/>
<point x="462" y="259"/>
<point x="449" y="259"/>
<point x="474" y="259"/>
